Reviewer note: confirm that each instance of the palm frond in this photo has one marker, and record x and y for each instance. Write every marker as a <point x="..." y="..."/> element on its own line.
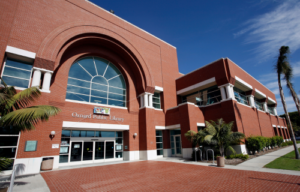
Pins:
<point x="23" y="98"/>
<point x="4" y="163"/>
<point x="231" y="149"/>
<point x="210" y="128"/>
<point x="27" y="118"/>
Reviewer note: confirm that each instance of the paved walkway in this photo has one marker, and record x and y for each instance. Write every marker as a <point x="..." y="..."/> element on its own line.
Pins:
<point x="166" y="176"/>
<point x="261" y="161"/>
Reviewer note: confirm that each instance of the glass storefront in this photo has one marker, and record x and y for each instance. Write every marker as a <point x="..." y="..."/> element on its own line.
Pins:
<point x="90" y="146"/>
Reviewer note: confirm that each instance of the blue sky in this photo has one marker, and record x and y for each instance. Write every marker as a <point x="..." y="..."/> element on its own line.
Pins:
<point x="248" y="32"/>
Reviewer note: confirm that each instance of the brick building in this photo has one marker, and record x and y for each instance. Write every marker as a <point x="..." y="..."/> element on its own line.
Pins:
<point x="118" y="87"/>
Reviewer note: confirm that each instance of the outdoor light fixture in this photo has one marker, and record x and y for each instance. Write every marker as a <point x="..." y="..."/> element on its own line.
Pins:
<point x="135" y="134"/>
<point x="52" y="134"/>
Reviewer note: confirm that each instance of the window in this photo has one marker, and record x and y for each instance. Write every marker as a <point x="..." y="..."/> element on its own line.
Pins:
<point x="203" y="97"/>
<point x="159" y="143"/>
<point x="96" y="80"/>
<point x="156" y="100"/>
<point x="271" y="110"/>
<point x="17" y="73"/>
<point x="8" y="144"/>
<point x="240" y="96"/>
<point x="258" y="104"/>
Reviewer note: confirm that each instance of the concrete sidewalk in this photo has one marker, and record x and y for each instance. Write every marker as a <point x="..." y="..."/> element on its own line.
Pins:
<point x="26" y="183"/>
<point x="261" y="161"/>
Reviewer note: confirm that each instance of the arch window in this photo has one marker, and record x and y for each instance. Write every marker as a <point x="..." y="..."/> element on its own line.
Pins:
<point x="96" y="80"/>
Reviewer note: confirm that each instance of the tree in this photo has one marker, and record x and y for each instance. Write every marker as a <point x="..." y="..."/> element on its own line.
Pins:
<point x="220" y="134"/>
<point x="283" y="68"/>
<point x="295" y="119"/>
<point x="16" y="111"/>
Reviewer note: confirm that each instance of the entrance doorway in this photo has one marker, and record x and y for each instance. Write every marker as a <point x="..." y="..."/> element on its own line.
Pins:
<point x="176" y="145"/>
<point x="92" y="150"/>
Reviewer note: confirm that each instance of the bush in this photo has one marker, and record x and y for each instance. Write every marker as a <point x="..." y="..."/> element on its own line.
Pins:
<point x="257" y="143"/>
<point x="284" y="144"/>
<point x="238" y="156"/>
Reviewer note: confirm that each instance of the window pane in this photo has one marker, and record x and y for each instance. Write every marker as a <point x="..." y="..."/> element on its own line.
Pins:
<point x="115" y="96"/>
<point x="99" y="87"/>
<point x="119" y="154"/>
<point x="101" y="65"/>
<point x="65" y="141"/>
<point x="87" y="133"/>
<point x="116" y="103"/>
<point x="63" y="158"/>
<point x="117" y="82"/>
<point x="107" y="133"/>
<point x="9" y="130"/>
<point x="119" y="134"/>
<point x="119" y="147"/>
<point x="98" y="134"/>
<point x="77" y="97"/>
<point x="156" y="100"/>
<point x="111" y="72"/>
<point x="156" y="94"/>
<point x="158" y="133"/>
<point x="98" y="100"/>
<point x="65" y="133"/>
<point x="159" y="139"/>
<point x="15" y="82"/>
<point x="157" y="106"/>
<point x="16" y="73"/>
<point x="100" y="80"/>
<point x="119" y="140"/>
<point x="8" y="141"/>
<point x="77" y="72"/>
<point x="160" y="152"/>
<point x="116" y="90"/>
<point x="75" y="133"/>
<point x="64" y="150"/>
<point x="159" y="145"/>
<point x="78" y="90"/>
<point x="88" y="64"/>
<point x="18" y="64"/>
<point x="8" y="152"/>
<point x="99" y="93"/>
<point x="79" y="83"/>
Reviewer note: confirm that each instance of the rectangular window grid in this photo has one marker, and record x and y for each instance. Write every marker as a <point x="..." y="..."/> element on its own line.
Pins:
<point x="156" y="100"/>
<point x="159" y="143"/>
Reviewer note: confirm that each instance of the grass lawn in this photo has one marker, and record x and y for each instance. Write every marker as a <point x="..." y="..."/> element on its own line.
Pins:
<point x="287" y="161"/>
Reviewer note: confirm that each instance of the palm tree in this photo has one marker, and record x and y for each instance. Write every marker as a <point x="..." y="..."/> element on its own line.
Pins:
<point x="196" y="138"/>
<point x="283" y="67"/>
<point x="220" y="134"/>
<point x="16" y="111"/>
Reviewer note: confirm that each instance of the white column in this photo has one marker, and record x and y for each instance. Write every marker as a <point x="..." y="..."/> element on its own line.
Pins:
<point x="265" y="107"/>
<point x="47" y="81"/>
<point x="150" y="100"/>
<point x="146" y="103"/>
<point x="36" y="78"/>
<point x="229" y="90"/>
<point x="142" y="100"/>
<point x="223" y="94"/>
<point x="251" y="101"/>
<point x="275" y="111"/>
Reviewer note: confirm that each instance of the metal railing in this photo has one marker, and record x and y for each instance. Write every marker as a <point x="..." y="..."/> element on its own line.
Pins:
<point x="202" y="99"/>
<point x="259" y="105"/>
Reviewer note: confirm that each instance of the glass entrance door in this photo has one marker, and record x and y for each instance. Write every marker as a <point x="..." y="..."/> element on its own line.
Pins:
<point x="109" y="149"/>
<point x="177" y="140"/>
<point x="76" y="150"/>
<point x="88" y="148"/>
<point x="99" y="150"/>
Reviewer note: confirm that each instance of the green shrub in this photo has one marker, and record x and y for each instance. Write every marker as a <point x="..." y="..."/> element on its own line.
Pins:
<point x="279" y="140"/>
<point x="284" y="144"/>
<point x="289" y="142"/>
<point x="255" y="143"/>
<point x="238" y="156"/>
<point x="273" y="141"/>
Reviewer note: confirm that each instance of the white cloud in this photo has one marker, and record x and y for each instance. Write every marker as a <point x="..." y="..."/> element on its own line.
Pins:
<point x="271" y="30"/>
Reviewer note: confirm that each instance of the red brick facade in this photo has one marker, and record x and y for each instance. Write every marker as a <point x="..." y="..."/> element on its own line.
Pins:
<point x="62" y="31"/>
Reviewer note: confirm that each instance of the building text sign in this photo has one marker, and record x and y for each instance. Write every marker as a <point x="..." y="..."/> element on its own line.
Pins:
<point x="94" y="116"/>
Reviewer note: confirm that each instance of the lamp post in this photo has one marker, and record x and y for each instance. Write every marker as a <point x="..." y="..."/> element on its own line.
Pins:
<point x="196" y="149"/>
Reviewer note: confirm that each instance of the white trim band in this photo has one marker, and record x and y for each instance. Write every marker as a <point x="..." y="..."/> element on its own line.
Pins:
<point x="159" y="89"/>
<point x="201" y="124"/>
<point x="83" y="125"/>
<point x="243" y="82"/>
<point x="260" y="93"/>
<point x="20" y="52"/>
<point x="197" y="85"/>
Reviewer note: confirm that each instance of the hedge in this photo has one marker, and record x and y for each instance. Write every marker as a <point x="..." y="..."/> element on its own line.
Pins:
<point x="257" y="143"/>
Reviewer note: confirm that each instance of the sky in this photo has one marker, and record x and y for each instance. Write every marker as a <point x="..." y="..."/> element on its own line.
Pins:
<point x="250" y="33"/>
